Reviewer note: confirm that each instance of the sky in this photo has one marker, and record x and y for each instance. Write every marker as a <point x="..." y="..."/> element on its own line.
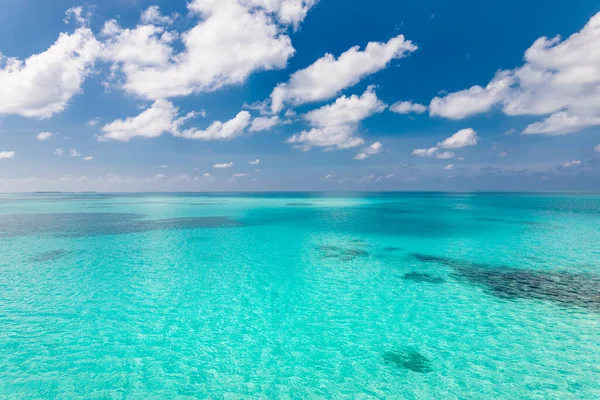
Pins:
<point x="306" y="95"/>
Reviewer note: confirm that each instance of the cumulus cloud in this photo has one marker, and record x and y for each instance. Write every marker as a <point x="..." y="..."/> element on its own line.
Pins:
<point x="218" y="130"/>
<point x="215" y="53"/>
<point x="425" y="152"/>
<point x="6" y="154"/>
<point x="375" y="178"/>
<point x="44" y="136"/>
<point x="375" y="148"/>
<point x="462" y="138"/>
<point x="448" y="167"/>
<point x="255" y="162"/>
<point x="240" y="175"/>
<point x="153" y="16"/>
<point x="44" y="83"/>
<point x="263" y="123"/>
<point x="163" y="166"/>
<point x="163" y="117"/>
<point x="597" y="149"/>
<point x="223" y="165"/>
<point x="560" y="78"/>
<point x="407" y="107"/>
<point x="74" y="153"/>
<point x="570" y="164"/>
<point x="327" y="76"/>
<point x="503" y="154"/>
<point x="59" y="152"/>
<point x="445" y="155"/>
<point x="209" y="177"/>
<point x="93" y="122"/>
<point x="88" y="158"/>
<point x="335" y="125"/>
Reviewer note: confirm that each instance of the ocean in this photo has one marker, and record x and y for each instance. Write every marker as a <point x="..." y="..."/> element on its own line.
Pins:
<point x="300" y="295"/>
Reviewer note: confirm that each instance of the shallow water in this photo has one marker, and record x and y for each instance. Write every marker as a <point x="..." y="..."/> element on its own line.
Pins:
<point x="418" y="295"/>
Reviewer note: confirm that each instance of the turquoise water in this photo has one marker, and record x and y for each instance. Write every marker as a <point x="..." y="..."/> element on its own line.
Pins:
<point x="424" y="296"/>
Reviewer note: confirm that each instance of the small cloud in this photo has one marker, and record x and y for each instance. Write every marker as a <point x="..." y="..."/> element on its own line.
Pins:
<point x="462" y="138"/>
<point x="330" y="176"/>
<point x="74" y="153"/>
<point x="375" y="148"/>
<point x="93" y="122"/>
<point x="163" y="166"/>
<point x="510" y="131"/>
<point x="570" y="164"/>
<point x="44" y="136"/>
<point x="239" y="175"/>
<point x="407" y="107"/>
<point x="448" y="167"/>
<point x="209" y="177"/>
<point x="88" y="158"/>
<point x="425" y="152"/>
<point x="503" y="154"/>
<point x="290" y="113"/>
<point x="597" y="149"/>
<point x="223" y="165"/>
<point x="59" y="152"/>
<point x="446" y="155"/>
<point x="255" y="162"/>
<point x="6" y="155"/>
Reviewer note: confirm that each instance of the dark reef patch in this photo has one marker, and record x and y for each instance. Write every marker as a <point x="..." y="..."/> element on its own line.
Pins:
<point x="421" y="277"/>
<point x="559" y="287"/>
<point x="392" y="249"/>
<point x="506" y="221"/>
<point x="344" y="254"/>
<point x="408" y="359"/>
<point x="51" y="255"/>
<point x="98" y="224"/>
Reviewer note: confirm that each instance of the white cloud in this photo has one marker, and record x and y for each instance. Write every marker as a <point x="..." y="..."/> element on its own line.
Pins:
<point x="162" y="117"/>
<point x="503" y="154"/>
<point x="597" y="149"/>
<point x="329" y="176"/>
<point x="44" y="136"/>
<point x="407" y="107"/>
<point x="215" y="53"/>
<point x="44" y="83"/>
<point x="561" y="123"/>
<point x="88" y="158"/>
<point x="93" y="122"/>
<point x="163" y="166"/>
<point x="152" y="15"/>
<point x="223" y="165"/>
<point x="74" y="153"/>
<point x="209" y="177"/>
<point x="375" y="148"/>
<point x="327" y="76"/>
<point x="255" y="162"/>
<point x="263" y="123"/>
<point x="241" y="175"/>
<point x="574" y="163"/>
<point x="560" y="78"/>
<point x="375" y="178"/>
<point x="462" y="138"/>
<point x="335" y="124"/>
<point x="154" y="121"/>
<point x="59" y="152"/>
<point x="445" y="155"/>
<point x="448" y="167"/>
<point x="218" y="130"/>
<point x="6" y="154"/>
<point x="425" y="152"/>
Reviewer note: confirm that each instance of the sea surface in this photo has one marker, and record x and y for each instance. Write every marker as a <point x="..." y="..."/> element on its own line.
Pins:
<point x="279" y="295"/>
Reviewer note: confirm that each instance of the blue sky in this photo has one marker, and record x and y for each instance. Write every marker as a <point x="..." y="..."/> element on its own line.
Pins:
<point x="136" y="95"/>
